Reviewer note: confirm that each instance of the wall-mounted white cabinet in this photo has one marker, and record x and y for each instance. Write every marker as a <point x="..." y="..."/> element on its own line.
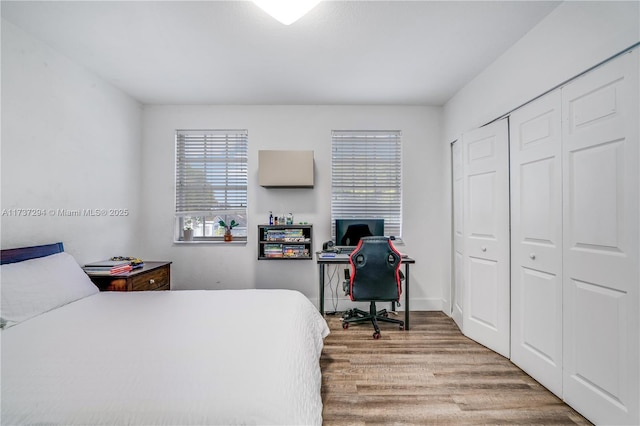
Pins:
<point x="293" y="169"/>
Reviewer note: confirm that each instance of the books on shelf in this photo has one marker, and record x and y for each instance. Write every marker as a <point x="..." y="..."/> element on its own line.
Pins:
<point x="286" y="235"/>
<point x="273" y="250"/>
<point x="285" y="250"/>
<point x="284" y="241"/>
<point x="294" y="251"/>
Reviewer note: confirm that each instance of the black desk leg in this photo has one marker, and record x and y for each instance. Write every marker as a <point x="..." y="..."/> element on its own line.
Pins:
<point x="406" y="296"/>
<point x="321" y="292"/>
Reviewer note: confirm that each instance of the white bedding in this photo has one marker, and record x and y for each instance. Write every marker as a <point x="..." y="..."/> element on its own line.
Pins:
<point x="167" y="358"/>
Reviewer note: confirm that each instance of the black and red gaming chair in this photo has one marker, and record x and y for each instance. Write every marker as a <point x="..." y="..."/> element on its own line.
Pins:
<point x="375" y="277"/>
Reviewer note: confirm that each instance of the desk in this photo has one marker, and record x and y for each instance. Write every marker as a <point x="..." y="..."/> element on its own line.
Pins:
<point x="343" y="259"/>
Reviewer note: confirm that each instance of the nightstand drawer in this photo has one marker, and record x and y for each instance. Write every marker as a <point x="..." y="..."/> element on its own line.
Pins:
<point x="158" y="279"/>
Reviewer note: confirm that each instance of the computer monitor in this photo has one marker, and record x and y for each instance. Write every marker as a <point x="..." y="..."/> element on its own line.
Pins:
<point x="349" y="231"/>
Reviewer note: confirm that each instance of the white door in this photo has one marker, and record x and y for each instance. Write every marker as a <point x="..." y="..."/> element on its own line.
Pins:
<point x="536" y="240"/>
<point x="601" y="232"/>
<point x="458" y="236"/>
<point x="485" y="156"/>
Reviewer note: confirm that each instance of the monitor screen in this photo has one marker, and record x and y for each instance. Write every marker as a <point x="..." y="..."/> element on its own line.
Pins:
<point x="349" y="231"/>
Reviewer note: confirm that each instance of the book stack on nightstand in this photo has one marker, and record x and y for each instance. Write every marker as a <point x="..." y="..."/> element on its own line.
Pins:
<point x="108" y="267"/>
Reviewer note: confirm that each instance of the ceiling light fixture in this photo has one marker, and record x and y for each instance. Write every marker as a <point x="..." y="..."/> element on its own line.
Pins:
<point x="286" y="11"/>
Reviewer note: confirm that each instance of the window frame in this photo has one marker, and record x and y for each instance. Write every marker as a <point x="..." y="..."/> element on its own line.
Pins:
<point x="365" y="171"/>
<point x="206" y="162"/>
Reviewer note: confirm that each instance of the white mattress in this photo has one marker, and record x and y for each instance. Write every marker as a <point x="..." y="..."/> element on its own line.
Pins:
<point x="167" y="358"/>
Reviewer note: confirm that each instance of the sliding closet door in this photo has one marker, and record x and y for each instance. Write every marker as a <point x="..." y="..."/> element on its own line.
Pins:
<point x="485" y="156"/>
<point x="458" y="236"/>
<point x="601" y="221"/>
<point x="536" y="240"/>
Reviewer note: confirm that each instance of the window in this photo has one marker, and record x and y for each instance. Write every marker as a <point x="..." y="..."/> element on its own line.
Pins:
<point x="366" y="177"/>
<point x="211" y="183"/>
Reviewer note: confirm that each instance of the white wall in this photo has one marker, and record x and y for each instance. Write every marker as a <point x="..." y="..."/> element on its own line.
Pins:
<point x="571" y="39"/>
<point x="294" y="127"/>
<point x="69" y="141"/>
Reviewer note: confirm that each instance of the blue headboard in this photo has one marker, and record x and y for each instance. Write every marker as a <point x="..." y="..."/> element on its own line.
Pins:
<point x="26" y="253"/>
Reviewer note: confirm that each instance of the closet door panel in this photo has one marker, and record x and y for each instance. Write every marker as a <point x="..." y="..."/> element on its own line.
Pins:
<point x="539" y="331"/>
<point x="458" y="264"/>
<point x="536" y="240"/>
<point x="458" y="235"/>
<point x="486" y="236"/>
<point x="601" y="233"/>
<point x="539" y="191"/>
<point x="596" y="205"/>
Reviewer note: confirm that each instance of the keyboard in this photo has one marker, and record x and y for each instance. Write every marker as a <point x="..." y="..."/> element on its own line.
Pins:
<point x="346" y="250"/>
<point x="327" y="255"/>
<point x="331" y="255"/>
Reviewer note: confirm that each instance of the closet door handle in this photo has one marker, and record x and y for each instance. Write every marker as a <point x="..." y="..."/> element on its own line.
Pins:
<point x="532" y="256"/>
<point x="483" y="249"/>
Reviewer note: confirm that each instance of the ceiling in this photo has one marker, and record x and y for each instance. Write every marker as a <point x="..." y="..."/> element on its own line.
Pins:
<point x="231" y="52"/>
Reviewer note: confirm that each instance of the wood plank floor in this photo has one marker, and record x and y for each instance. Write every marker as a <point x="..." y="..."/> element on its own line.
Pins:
<point x="431" y="374"/>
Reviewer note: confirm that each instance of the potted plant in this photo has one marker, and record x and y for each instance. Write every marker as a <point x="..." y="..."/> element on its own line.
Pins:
<point x="228" y="228"/>
<point x="187" y="231"/>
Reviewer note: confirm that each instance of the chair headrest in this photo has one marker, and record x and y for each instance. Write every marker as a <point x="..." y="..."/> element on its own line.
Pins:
<point x="377" y="239"/>
<point x="374" y="246"/>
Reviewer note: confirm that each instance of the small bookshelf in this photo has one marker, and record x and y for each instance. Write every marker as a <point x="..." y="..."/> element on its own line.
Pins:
<point x="285" y="242"/>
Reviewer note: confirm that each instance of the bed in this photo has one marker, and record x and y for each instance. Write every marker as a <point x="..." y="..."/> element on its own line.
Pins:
<point x="73" y="355"/>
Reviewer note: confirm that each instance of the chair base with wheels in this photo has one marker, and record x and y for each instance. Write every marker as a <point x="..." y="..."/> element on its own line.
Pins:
<point x="356" y="316"/>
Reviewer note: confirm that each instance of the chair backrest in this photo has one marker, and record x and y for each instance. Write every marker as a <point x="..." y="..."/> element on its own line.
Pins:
<point x="375" y="270"/>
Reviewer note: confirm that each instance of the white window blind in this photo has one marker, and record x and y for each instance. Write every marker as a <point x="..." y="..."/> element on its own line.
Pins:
<point x="366" y="177"/>
<point x="211" y="180"/>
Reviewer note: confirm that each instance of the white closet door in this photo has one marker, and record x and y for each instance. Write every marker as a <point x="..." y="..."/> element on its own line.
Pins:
<point x="458" y="236"/>
<point x="536" y="240"/>
<point x="485" y="154"/>
<point x="601" y="221"/>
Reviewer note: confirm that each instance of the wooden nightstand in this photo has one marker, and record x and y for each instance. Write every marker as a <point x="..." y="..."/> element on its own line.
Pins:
<point x="151" y="277"/>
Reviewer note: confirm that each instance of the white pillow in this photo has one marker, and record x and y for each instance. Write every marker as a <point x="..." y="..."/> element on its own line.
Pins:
<point x="35" y="286"/>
